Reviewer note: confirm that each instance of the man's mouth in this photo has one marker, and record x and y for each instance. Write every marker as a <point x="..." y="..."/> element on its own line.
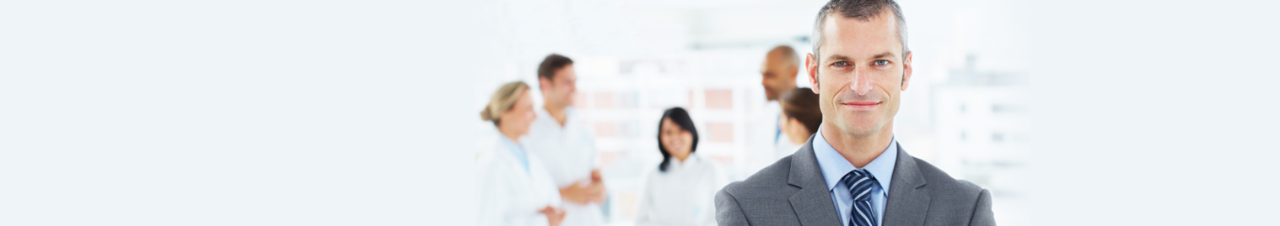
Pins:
<point x="861" y="104"/>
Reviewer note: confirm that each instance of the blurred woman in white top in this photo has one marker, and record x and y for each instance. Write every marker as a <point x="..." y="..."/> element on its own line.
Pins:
<point x="799" y="119"/>
<point x="514" y="187"/>
<point x="681" y="190"/>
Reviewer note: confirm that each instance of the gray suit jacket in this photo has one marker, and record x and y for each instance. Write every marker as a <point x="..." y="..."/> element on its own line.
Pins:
<point x="792" y="192"/>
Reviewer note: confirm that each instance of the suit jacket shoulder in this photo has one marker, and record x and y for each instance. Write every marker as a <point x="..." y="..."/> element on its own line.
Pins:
<point x="922" y="194"/>
<point x="768" y="177"/>
<point x="788" y="192"/>
<point x="942" y="184"/>
<point x="763" y="191"/>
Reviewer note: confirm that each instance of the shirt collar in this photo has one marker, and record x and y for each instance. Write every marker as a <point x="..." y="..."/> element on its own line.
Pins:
<point x="544" y="115"/>
<point x="512" y="146"/>
<point x="834" y="166"/>
<point x="692" y="159"/>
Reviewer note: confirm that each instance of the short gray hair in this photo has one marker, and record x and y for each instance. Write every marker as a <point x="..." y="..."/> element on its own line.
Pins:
<point x="862" y="10"/>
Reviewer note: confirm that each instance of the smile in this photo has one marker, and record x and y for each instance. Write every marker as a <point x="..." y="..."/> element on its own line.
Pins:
<point x="861" y="105"/>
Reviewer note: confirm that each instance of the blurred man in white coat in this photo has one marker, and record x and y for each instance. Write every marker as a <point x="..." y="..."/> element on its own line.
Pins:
<point x="777" y="75"/>
<point x="561" y="140"/>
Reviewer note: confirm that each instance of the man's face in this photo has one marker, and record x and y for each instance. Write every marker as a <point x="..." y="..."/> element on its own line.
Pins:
<point x="860" y="73"/>
<point x="561" y="87"/>
<point x="777" y="75"/>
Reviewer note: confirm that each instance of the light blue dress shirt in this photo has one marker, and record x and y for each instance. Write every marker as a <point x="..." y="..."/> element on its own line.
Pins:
<point x="517" y="151"/>
<point x="834" y="167"/>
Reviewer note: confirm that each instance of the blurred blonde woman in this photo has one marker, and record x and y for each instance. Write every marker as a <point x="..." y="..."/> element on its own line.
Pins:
<point x="513" y="186"/>
<point x="681" y="190"/>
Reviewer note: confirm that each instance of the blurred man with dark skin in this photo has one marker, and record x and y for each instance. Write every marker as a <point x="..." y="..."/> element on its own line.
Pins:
<point x="779" y="71"/>
<point x="853" y="172"/>
<point x="777" y="75"/>
<point x="561" y="140"/>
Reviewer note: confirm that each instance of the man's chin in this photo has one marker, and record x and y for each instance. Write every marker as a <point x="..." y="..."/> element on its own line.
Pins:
<point x="860" y="128"/>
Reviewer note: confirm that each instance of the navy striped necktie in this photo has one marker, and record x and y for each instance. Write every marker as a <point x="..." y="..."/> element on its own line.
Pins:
<point x="859" y="182"/>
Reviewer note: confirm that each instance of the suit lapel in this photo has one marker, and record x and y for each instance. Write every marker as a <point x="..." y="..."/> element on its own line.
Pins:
<point x="812" y="203"/>
<point x="908" y="200"/>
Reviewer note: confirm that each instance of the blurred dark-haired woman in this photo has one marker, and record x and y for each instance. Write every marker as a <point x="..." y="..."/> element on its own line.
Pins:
<point x="680" y="190"/>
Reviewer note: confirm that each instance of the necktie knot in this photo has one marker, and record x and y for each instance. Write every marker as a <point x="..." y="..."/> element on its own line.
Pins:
<point x="859" y="182"/>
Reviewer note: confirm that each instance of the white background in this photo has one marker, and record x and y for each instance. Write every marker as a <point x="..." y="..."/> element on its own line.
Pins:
<point x="344" y="113"/>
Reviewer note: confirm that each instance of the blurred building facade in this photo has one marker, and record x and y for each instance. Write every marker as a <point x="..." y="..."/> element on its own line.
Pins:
<point x="982" y="121"/>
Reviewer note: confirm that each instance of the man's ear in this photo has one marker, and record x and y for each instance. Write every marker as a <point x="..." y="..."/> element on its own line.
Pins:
<point x="811" y="70"/>
<point x="906" y="71"/>
<point x="543" y="84"/>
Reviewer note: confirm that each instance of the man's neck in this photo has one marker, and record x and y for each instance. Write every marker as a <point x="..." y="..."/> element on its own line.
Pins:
<point x="778" y="98"/>
<point x="557" y="112"/>
<point x="859" y="151"/>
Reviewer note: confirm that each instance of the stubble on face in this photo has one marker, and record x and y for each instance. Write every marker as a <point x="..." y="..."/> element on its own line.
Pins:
<point x="859" y="95"/>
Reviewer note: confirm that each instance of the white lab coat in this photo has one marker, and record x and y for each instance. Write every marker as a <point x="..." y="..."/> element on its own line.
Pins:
<point x="785" y="147"/>
<point x="684" y="195"/>
<point x="508" y="194"/>
<point x="764" y="138"/>
<point x="569" y="152"/>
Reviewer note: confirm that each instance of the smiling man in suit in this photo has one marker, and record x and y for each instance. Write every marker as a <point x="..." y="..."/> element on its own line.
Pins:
<point x="853" y="172"/>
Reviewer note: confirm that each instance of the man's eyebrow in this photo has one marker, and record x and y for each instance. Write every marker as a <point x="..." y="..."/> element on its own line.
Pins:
<point x="886" y="54"/>
<point x="882" y="55"/>
<point x="837" y="57"/>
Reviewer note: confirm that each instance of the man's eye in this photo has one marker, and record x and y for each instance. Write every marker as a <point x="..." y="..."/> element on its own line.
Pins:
<point x="841" y="64"/>
<point x="881" y="62"/>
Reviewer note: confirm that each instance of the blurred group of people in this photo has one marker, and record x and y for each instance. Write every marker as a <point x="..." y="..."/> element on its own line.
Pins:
<point x="825" y="155"/>
<point x="544" y="168"/>
<point x="790" y="114"/>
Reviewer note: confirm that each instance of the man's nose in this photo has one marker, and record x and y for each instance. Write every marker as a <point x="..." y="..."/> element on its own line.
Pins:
<point x="861" y="82"/>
